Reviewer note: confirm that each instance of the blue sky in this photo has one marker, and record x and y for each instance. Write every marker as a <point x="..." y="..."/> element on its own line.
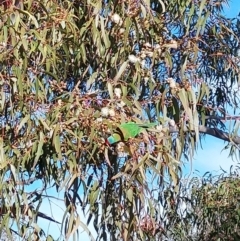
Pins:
<point x="208" y="158"/>
<point x="233" y="9"/>
<point x="212" y="156"/>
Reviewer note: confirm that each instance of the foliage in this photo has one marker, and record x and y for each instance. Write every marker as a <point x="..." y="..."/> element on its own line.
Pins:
<point x="72" y="71"/>
<point x="207" y="208"/>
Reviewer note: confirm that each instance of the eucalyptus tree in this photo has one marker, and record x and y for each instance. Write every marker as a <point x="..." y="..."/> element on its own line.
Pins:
<point x="73" y="71"/>
<point x="208" y="208"/>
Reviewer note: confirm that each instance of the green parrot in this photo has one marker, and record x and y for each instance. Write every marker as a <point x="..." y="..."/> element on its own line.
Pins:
<point x="126" y="131"/>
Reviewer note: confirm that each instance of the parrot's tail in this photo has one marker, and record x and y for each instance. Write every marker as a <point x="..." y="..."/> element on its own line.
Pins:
<point x="148" y="125"/>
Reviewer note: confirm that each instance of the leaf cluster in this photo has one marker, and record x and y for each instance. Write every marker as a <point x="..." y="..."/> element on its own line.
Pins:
<point x="71" y="72"/>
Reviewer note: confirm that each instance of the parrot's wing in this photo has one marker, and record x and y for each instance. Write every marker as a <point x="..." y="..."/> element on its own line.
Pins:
<point x="132" y="129"/>
<point x="129" y="130"/>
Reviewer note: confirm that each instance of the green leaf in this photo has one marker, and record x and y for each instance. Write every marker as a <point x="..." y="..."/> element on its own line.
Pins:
<point x="56" y="140"/>
<point x="87" y="230"/>
<point x="120" y="71"/>
<point x="130" y="195"/>
<point x="103" y="33"/>
<point x="43" y="122"/>
<point x="34" y="20"/>
<point x="39" y="150"/>
<point x="183" y="97"/>
<point x="23" y="122"/>
<point x="91" y="80"/>
<point x="14" y="172"/>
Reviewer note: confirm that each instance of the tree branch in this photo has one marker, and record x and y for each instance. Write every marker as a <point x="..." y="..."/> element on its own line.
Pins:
<point x="226" y="118"/>
<point x="219" y="134"/>
<point x="213" y="132"/>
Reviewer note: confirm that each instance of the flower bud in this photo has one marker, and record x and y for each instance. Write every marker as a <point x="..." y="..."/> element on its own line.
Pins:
<point x="111" y="112"/>
<point x="159" y="127"/>
<point x="118" y="92"/>
<point x="99" y="119"/>
<point x="105" y="111"/>
<point x="121" y="30"/>
<point x="172" y="45"/>
<point x="171" y="123"/>
<point x="116" y="18"/>
<point x="133" y="59"/>
<point x="172" y="83"/>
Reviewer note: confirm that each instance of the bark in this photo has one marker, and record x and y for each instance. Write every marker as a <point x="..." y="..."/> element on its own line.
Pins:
<point x="225" y="136"/>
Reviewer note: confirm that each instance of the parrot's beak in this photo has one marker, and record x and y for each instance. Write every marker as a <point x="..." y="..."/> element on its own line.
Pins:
<point x="107" y="142"/>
